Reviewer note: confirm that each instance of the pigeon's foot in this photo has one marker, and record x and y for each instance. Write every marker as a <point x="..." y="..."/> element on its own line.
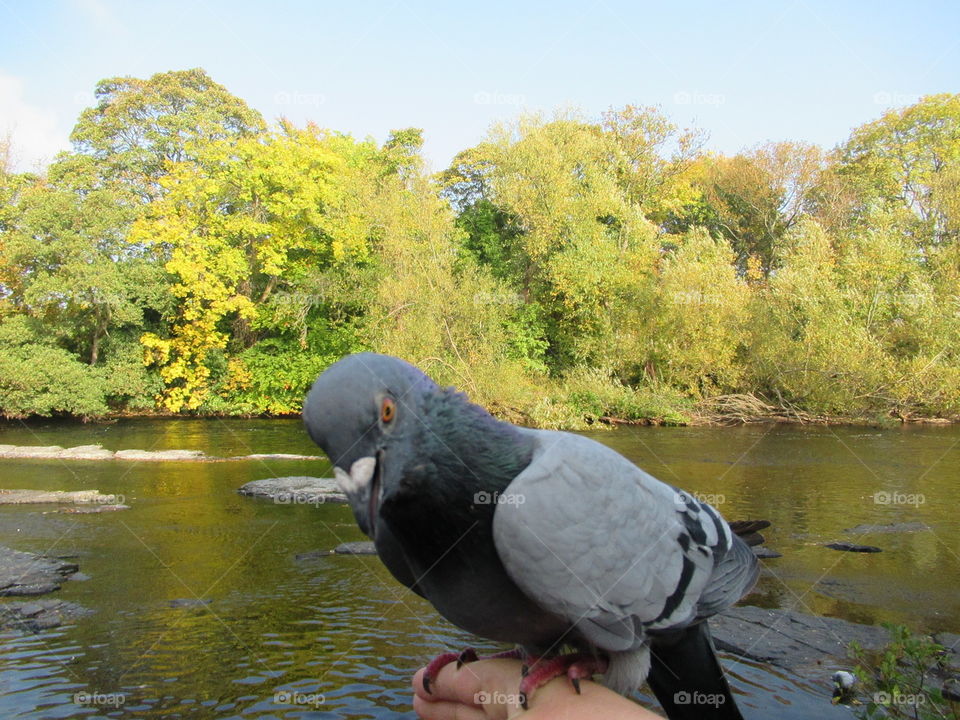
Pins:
<point x="577" y="667"/>
<point x="467" y="655"/>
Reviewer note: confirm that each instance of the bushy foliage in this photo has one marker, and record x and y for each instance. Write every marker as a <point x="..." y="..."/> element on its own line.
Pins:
<point x="187" y="258"/>
<point x="905" y="679"/>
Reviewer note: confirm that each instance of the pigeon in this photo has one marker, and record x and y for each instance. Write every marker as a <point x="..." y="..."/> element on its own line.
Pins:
<point x="542" y="539"/>
<point x="844" y="687"/>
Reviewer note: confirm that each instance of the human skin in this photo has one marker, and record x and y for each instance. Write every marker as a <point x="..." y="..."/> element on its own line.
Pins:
<point x="488" y="690"/>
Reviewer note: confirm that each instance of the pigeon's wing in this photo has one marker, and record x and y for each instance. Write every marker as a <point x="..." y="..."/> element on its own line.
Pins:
<point x="589" y="536"/>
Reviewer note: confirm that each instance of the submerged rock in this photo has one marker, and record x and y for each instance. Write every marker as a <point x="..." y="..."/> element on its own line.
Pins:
<point x="361" y="547"/>
<point x="295" y="490"/>
<point x="23" y="573"/>
<point x="36" y="615"/>
<point x="853" y="547"/>
<point x="766" y="553"/>
<point x="189" y="602"/>
<point x="94" y="509"/>
<point x="903" y="527"/>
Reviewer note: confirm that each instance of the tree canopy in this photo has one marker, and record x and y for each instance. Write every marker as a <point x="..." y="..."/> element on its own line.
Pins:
<point x="186" y="257"/>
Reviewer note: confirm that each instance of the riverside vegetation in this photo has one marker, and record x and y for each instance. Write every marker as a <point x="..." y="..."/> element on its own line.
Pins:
<point x="184" y="257"/>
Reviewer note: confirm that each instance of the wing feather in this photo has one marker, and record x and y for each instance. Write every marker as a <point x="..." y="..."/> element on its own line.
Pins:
<point x="590" y="536"/>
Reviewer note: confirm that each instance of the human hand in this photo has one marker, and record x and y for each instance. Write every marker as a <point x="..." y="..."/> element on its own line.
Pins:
<point x="489" y="690"/>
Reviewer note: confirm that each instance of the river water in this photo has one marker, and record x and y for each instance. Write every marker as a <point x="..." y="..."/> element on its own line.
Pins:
<point x="202" y="608"/>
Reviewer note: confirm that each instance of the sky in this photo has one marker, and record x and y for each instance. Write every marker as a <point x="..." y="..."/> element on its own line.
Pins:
<point x="743" y="72"/>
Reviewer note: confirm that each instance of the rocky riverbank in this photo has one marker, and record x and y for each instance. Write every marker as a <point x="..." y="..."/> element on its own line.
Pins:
<point x="24" y="574"/>
<point x="98" y="452"/>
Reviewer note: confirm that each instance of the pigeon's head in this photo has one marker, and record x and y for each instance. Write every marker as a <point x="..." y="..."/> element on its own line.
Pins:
<point x="361" y="411"/>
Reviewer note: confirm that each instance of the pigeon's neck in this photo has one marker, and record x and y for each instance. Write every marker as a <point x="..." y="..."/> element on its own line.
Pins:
<point x="470" y="450"/>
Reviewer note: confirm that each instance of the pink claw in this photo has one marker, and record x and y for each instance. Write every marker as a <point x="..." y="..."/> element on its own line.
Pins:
<point x="467" y="655"/>
<point x="435" y="666"/>
<point x="577" y="667"/>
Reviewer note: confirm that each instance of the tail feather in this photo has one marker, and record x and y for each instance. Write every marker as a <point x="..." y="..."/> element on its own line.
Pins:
<point x="687" y="679"/>
<point x="749" y="530"/>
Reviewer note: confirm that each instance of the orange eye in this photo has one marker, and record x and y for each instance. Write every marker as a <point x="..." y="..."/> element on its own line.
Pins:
<point x="387" y="410"/>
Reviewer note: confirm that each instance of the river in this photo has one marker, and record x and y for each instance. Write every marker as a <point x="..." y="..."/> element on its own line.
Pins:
<point x="324" y="636"/>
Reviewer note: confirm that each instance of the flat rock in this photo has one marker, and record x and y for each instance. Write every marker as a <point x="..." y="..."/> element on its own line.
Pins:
<point x="807" y="645"/>
<point x="156" y="455"/>
<point x="86" y="452"/>
<point x="903" y="527"/>
<point x="30" y="451"/>
<point x="98" y="452"/>
<point x="295" y="490"/>
<point x="276" y="456"/>
<point x="23" y="573"/>
<point x="853" y="547"/>
<point x="23" y="497"/>
<point x="361" y="547"/>
<point x="36" y="615"/>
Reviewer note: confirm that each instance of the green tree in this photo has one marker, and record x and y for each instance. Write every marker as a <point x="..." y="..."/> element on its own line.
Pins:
<point x="140" y="126"/>
<point x="905" y="165"/>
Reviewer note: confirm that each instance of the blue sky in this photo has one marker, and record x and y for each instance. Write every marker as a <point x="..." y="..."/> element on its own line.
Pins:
<point x="745" y="72"/>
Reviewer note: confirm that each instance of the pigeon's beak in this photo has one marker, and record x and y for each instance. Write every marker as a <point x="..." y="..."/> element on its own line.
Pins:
<point x="376" y="489"/>
<point x="359" y="476"/>
<point x="364" y="477"/>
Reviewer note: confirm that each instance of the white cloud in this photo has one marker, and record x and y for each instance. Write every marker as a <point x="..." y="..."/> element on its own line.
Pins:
<point x="34" y="133"/>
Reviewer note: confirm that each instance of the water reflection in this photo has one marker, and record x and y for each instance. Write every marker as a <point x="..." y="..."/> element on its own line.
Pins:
<point x="202" y="609"/>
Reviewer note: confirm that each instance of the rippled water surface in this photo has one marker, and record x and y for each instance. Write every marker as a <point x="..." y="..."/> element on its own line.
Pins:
<point x="202" y="608"/>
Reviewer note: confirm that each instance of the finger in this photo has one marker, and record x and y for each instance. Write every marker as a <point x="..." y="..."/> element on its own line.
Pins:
<point x="459" y="685"/>
<point x="490" y="686"/>
<point x="446" y="710"/>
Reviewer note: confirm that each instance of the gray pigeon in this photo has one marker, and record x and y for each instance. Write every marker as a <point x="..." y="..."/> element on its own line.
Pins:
<point x="538" y="538"/>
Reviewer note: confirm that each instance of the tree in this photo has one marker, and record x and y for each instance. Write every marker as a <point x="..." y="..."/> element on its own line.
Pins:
<point x="557" y="224"/>
<point x="754" y="198"/>
<point x="650" y="155"/>
<point x="140" y="126"/>
<point x="905" y="164"/>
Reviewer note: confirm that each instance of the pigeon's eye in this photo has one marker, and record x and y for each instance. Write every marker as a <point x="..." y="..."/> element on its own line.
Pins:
<point x="387" y="410"/>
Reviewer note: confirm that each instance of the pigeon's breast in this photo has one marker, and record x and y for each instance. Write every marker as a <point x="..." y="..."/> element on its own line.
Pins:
<point x="462" y="576"/>
<point x="471" y="589"/>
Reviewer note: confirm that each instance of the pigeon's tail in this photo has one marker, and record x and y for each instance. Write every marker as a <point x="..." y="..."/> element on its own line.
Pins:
<point x="687" y="679"/>
<point x="749" y="530"/>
